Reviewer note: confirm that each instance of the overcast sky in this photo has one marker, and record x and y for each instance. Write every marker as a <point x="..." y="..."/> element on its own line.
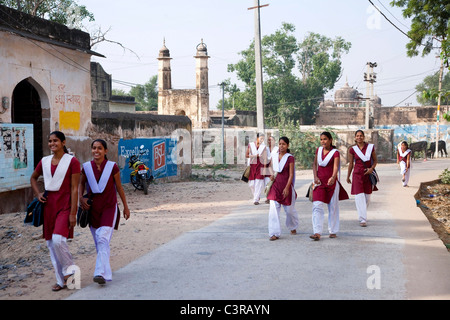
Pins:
<point x="227" y="27"/>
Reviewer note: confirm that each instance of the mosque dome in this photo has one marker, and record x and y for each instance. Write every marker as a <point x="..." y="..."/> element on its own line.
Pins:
<point x="376" y="100"/>
<point x="327" y="103"/>
<point x="346" y="94"/>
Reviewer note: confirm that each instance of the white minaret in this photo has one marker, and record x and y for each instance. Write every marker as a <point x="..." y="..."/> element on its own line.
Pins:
<point x="201" y="84"/>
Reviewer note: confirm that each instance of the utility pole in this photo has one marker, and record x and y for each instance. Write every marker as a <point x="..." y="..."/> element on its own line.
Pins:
<point x="369" y="77"/>
<point x="439" y="107"/>
<point x="223" y="122"/>
<point x="258" y="68"/>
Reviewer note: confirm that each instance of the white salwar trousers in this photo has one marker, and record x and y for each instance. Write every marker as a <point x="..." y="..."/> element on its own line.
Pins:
<point x="274" y="216"/>
<point x="362" y="203"/>
<point x="257" y="186"/>
<point x="404" y="172"/>
<point x="333" y="214"/>
<point x="102" y="238"/>
<point x="60" y="257"/>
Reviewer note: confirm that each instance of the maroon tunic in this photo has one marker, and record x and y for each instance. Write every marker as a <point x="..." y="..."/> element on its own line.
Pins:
<point x="256" y="167"/>
<point x="324" y="192"/>
<point x="404" y="159"/>
<point x="276" y="191"/>
<point x="58" y="205"/>
<point x="361" y="182"/>
<point x="104" y="205"/>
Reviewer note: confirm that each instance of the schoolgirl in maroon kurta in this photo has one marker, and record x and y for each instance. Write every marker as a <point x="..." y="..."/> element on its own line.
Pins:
<point x="61" y="173"/>
<point x="104" y="205"/>
<point x="102" y="178"/>
<point x="282" y="193"/>
<point x="255" y="153"/>
<point x="58" y="204"/>
<point x="328" y="189"/>
<point x="362" y="161"/>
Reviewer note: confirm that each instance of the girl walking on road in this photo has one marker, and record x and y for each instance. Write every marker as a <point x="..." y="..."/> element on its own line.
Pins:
<point x="363" y="159"/>
<point x="101" y="178"/>
<point x="404" y="160"/>
<point x="282" y="192"/>
<point x="255" y="152"/>
<point x="61" y="173"/>
<point x="328" y="190"/>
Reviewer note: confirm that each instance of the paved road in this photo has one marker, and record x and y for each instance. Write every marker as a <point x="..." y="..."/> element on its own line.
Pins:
<point x="398" y="256"/>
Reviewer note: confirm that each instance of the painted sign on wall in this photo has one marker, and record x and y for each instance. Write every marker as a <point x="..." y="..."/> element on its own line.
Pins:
<point x="16" y="155"/>
<point x="156" y="154"/>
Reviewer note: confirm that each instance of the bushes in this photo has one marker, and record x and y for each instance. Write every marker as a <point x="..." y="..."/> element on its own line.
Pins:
<point x="302" y="145"/>
<point x="445" y="176"/>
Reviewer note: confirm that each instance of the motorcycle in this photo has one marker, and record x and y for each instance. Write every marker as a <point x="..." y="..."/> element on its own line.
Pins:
<point x="140" y="175"/>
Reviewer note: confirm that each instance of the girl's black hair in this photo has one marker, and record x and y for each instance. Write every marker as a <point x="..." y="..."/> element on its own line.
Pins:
<point x="329" y="136"/>
<point x="285" y="139"/>
<point x="405" y="143"/>
<point x="360" y="131"/>
<point x="103" y="142"/>
<point x="61" y="136"/>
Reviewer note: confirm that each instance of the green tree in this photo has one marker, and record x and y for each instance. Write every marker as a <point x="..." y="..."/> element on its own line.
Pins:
<point x="430" y="29"/>
<point x="146" y="95"/>
<point x="429" y="84"/>
<point x="287" y="96"/>
<point x="66" y="12"/>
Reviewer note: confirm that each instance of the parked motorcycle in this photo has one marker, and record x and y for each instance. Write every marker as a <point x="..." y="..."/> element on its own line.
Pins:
<point x="140" y="175"/>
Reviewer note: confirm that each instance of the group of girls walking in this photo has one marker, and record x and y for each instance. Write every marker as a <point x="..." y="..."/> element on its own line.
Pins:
<point x="65" y="183"/>
<point x="327" y="188"/>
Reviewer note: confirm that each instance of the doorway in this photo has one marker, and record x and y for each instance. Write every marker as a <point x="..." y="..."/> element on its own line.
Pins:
<point x="26" y="108"/>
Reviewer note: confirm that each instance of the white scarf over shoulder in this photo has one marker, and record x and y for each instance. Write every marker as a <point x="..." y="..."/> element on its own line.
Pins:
<point x="254" y="151"/>
<point x="403" y="154"/>
<point x="364" y="157"/>
<point x="324" y="162"/>
<point x="53" y="183"/>
<point x="101" y="185"/>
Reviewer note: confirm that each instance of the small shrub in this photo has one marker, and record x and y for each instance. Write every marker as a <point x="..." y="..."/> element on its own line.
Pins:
<point x="445" y="176"/>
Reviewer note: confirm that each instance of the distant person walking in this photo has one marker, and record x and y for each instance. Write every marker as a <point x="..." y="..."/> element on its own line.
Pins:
<point x="61" y="173"/>
<point x="101" y="178"/>
<point x="328" y="190"/>
<point x="254" y="155"/>
<point x="404" y="160"/>
<point x="363" y="159"/>
<point x="282" y="192"/>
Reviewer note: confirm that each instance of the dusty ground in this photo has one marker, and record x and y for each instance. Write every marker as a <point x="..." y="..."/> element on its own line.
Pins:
<point x="169" y="210"/>
<point x="435" y="204"/>
<point x="166" y="212"/>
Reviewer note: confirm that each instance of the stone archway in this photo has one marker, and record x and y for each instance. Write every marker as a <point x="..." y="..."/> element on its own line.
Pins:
<point x="26" y="108"/>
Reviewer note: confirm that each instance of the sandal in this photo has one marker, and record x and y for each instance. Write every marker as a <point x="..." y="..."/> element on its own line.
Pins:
<point x="294" y="232"/>
<point x="315" y="237"/>
<point x="363" y="224"/>
<point x="333" y="235"/>
<point x="99" y="279"/>
<point x="273" y="238"/>
<point x="57" y="287"/>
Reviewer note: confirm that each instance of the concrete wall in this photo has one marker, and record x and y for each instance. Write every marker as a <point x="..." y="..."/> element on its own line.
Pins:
<point x="64" y="88"/>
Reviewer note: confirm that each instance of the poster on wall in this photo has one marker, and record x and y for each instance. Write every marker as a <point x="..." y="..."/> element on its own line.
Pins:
<point x="16" y="155"/>
<point x="156" y="154"/>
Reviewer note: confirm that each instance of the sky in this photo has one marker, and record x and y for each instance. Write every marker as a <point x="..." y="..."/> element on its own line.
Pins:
<point x="227" y="27"/>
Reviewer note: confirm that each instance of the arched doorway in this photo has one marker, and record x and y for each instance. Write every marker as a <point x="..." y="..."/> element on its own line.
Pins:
<point x="26" y="108"/>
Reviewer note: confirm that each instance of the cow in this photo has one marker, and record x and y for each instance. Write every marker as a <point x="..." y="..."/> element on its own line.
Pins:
<point x="442" y="148"/>
<point x="418" y="146"/>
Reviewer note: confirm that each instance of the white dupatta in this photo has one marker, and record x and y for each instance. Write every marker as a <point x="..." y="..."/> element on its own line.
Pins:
<point x="53" y="183"/>
<point x="324" y="162"/>
<point x="254" y="151"/>
<point x="278" y="164"/>
<point x="364" y="157"/>
<point x="403" y="154"/>
<point x="101" y="185"/>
